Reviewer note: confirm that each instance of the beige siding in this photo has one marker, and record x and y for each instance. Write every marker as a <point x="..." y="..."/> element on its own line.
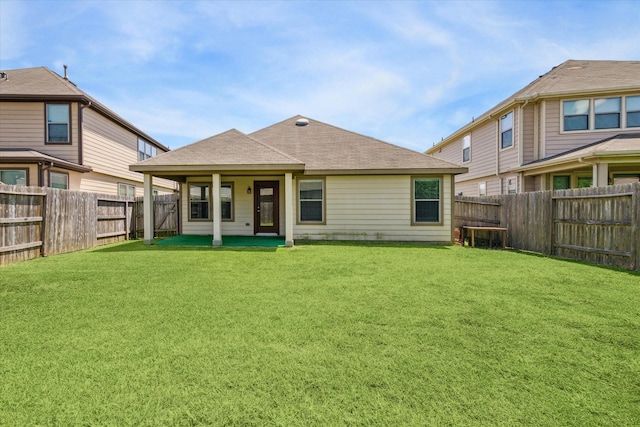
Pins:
<point x="484" y="142"/>
<point x="22" y="125"/>
<point x="509" y="156"/>
<point x="557" y="142"/>
<point x="528" y="133"/>
<point x="452" y="153"/>
<point x="374" y="208"/>
<point x="472" y="187"/>
<point x="109" y="149"/>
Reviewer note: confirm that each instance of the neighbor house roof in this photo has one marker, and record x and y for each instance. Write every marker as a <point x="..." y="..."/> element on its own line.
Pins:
<point x="572" y="77"/>
<point x="18" y="155"/>
<point x="619" y="148"/>
<point x="42" y="84"/>
<point x="296" y="144"/>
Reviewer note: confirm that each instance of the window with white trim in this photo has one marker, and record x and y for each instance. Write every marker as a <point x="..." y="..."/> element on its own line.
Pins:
<point x="512" y="185"/>
<point x="126" y="190"/>
<point x="607" y="113"/>
<point x="58" y="119"/>
<point x="146" y="150"/>
<point x="576" y="114"/>
<point x="482" y="188"/>
<point x="59" y="180"/>
<point x="13" y="176"/>
<point x="506" y="130"/>
<point x="199" y="196"/>
<point x="427" y="200"/>
<point x="311" y="200"/>
<point x="561" y="182"/>
<point x="466" y="148"/>
<point x="633" y="111"/>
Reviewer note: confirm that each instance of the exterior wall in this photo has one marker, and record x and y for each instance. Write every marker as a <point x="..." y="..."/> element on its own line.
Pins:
<point x="374" y="208"/>
<point x="528" y="134"/>
<point x="109" y="149"/>
<point x="509" y="157"/>
<point x="22" y="125"/>
<point x="472" y="187"/>
<point x="356" y="208"/>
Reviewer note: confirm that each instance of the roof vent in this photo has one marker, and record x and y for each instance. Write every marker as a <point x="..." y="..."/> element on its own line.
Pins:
<point x="302" y="122"/>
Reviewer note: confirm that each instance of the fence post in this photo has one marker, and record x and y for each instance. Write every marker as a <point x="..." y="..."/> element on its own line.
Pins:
<point x="635" y="227"/>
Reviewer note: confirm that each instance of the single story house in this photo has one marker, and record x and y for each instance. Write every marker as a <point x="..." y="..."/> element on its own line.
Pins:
<point x="304" y="179"/>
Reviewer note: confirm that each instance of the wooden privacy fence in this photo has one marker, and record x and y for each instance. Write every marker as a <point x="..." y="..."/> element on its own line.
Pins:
<point x="38" y="221"/>
<point x="598" y="225"/>
<point x="165" y="213"/>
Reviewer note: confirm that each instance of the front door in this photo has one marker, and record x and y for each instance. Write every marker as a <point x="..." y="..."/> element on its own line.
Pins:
<point x="265" y="204"/>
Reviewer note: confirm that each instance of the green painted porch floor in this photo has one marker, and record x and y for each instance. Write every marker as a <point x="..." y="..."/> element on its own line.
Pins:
<point x="229" y="241"/>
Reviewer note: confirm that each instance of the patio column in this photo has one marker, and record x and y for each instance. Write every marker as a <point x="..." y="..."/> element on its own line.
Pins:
<point x="147" y="209"/>
<point x="600" y="174"/>
<point x="217" y="215"/>
<point x="288" y="209"/>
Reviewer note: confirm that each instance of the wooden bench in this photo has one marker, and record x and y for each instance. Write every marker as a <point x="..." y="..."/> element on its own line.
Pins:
<point x="490" y="230"/>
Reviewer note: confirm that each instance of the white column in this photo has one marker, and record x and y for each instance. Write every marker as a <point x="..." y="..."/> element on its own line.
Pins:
<point x="147" y="209"/>
<point x="288" y="209"/>
<point x="600" y="174"/>
<point x="217" y="215"/>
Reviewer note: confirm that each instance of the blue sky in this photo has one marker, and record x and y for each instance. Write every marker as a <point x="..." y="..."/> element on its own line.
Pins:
<point x="406" y="72"/>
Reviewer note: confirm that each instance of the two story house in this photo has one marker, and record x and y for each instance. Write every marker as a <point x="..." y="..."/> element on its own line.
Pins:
<point x="576" y="126"/>
<point x="55" y="135"/>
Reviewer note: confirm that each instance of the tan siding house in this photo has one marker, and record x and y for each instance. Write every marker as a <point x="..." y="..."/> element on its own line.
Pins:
<point x="307" y="180"/>
<point x="54" y="134"/>
<point x="577" y="106"/>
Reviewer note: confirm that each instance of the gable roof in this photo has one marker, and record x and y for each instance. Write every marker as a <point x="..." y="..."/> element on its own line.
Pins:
<point x="571" y="78"/>
<point x="42" y="84"/>
<point x="315" y="148"/>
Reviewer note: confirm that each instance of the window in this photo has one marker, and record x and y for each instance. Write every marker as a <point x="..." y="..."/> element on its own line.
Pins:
<point x="607" y="112"/>
<point x="561" y="182"/>
<point x="512" y="185"/>
<point x="226" y="201"/>
<point x="13" y="176"/>
<point x="466" y="148"/>
<point x="576" y="114"/>
<point x="626" y="178"/>
<point x="482" y="189"/>
<point x="126" y="190"/>
<point x="199" y="201"/>
<point x="506" y="130"/>
<point x="311" y="200"/>
<point x="146" y="150"/>
<point x="59" y="180"/>
<point x="57" y="123"/>
<point x="426" y="200"/>
<point x="585" y="181"/>
<point x="633" y="111"/>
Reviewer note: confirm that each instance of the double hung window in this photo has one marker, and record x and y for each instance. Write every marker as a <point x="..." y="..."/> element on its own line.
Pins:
<point x="607" y="112"/>
<point x="311" y="200"/>
<point x="199" y="195"/>
<point x="633" y="111"/>
<point x="59" y="180"/>
<point x="226" y="201"/>
<point x="126" y="190"/>
<point x="506" y="130"/>
<point x="146" y="150"/>
<point x="13" y="176"/>
<point x="466" y="148"/>
<point x="427" y="200"/>
<point x="576" y="114"/>
<point x="58" y="119"/>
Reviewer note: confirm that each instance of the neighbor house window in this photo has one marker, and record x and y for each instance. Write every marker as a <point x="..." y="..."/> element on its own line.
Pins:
<point x="482" y="189"/>
<point x="199" y="201"/>
<point x="13" y="176"/>
<point x="561" y="182"/>
<point x="506" y="130"/>
<point x="466" y="148"/>
<point x="126" y="190"/>
<point x="311" y="200"/>
<point x="512" y="185"/>
<point x="59" y="180"/>
<point x="585" y="181"/>
<point x="575" y="114"/>
<point x="626" y="178"/>
<point x="146" y="150"/>
<point x="607" y="111"/>
<point x="226" y="201"/>
<point x="633" y="111"/>
<point x="58" y="119"/>
<point x="426" y="200"/>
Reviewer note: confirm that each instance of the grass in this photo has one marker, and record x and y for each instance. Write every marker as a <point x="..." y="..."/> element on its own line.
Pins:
<point x="323" y="334"/>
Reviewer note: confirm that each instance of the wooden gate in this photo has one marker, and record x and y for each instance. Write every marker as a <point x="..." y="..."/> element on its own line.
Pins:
<point x="166" y="214"/>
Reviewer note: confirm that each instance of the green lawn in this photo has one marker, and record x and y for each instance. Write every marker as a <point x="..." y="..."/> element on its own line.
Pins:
<point x="323" y="334"/>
